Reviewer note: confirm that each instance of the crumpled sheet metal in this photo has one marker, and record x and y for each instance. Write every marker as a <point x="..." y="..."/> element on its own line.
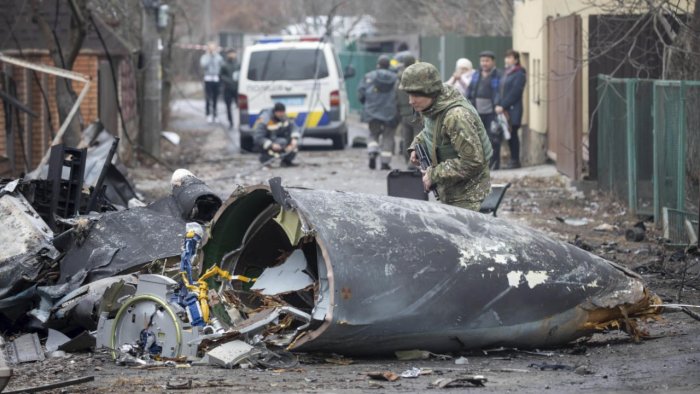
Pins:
<point x="407" y="274"/>
<point x="124" y="241"/>
<point x="26" y="245"/>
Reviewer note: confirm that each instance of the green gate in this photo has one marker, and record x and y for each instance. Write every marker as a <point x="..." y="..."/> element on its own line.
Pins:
<point x="649" y="143"/>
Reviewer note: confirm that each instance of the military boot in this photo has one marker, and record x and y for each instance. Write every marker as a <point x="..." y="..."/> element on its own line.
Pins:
<point x="373" y="160"/>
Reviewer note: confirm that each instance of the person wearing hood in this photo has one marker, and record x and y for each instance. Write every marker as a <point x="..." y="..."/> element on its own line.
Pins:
<point x="377" y="93"/>
<point x="462" y="76"/>
<point x="511" y="103"/>
<point x="453" y="137"/>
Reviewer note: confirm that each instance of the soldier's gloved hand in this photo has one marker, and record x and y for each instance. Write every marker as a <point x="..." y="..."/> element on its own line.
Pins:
<point x="414" y="159"/>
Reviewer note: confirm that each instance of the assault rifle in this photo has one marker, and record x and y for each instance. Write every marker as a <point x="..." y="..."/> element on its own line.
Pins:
<point x="426" y="163"/>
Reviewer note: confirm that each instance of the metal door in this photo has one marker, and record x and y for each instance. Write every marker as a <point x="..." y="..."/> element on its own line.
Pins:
<point x="564" y="94"/>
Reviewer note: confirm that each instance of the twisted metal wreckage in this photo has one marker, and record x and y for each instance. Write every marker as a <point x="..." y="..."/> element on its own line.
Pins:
<point x="323" y="271"/>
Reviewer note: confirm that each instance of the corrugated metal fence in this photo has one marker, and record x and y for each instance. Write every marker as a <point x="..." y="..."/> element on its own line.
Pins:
<point x="443" y="51"/>
<point x="648" y="144"/>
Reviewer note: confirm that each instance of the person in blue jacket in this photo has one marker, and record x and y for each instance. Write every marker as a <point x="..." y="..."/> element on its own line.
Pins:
<point x="511" y="102"/>
<point x="483" y="93"/>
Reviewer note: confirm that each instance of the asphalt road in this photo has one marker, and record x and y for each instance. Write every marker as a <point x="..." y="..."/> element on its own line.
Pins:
<point x="607" y="362"/>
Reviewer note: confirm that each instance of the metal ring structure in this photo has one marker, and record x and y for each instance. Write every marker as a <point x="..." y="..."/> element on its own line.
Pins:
<point x="134" y="300"/>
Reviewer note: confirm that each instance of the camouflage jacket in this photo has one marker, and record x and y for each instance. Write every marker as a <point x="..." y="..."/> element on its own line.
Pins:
<point x="460" y="150"/>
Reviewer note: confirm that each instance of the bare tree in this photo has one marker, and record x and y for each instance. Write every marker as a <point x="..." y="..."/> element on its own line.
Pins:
<point x="674" y="32"/>
<point x="463" y="17"/>
<point x="63" y="55"/>
<point x="657" y="39"/>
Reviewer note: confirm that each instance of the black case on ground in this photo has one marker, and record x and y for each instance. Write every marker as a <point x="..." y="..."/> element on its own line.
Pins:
<point x="406" y="184"/>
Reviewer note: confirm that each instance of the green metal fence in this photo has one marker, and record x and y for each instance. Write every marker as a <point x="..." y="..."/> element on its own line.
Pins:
<point x="648" y="145"/>
<point x="363" y="62"/>
<point x="455" y="47"/>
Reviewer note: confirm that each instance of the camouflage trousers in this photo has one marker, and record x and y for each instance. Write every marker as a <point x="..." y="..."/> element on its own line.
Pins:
<point x="474" y="206"/>
<point x="381" y="140"/>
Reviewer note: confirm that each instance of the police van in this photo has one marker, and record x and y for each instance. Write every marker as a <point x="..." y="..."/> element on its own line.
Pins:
<point x="304" y="74"/>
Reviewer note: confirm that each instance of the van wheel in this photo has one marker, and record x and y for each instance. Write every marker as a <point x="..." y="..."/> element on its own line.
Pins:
<point x="340" y="141"/>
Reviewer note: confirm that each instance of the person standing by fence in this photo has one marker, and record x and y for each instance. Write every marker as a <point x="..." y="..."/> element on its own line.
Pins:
<point x="511" y="103"/>
<point x="483" y="94"/>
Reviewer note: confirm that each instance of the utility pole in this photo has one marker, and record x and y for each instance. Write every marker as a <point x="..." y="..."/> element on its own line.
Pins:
<point x="207" y="20"/>
<point x="149" y="136"/>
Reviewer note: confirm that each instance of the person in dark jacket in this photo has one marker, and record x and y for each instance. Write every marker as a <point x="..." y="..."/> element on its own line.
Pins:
<point x="483" y="93"/>
<point x="276" y="135"/>
<point x="377" y="93"/>
<point x="511" y="102"/>
<point x="229" y="78"/>
<point x="411" y="121"/>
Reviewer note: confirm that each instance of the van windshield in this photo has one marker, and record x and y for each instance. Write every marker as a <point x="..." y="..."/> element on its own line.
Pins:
<point x="287" y="64"/>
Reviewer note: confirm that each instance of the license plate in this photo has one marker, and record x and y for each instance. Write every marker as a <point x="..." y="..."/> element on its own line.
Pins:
<point x="289" y="100"/>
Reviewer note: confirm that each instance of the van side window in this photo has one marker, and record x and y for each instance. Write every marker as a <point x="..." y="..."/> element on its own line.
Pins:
<point x="287" y="64"/>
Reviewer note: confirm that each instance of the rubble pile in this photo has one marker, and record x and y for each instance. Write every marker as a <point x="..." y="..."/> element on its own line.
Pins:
<point x="189" y="279"/>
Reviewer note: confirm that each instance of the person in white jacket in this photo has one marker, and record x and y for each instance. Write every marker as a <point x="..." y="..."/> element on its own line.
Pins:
<point x="462" y="76"/>
<point x="211" y="63"/>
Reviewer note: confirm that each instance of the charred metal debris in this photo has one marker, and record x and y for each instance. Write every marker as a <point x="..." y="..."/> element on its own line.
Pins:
<point x="275" y="270"/>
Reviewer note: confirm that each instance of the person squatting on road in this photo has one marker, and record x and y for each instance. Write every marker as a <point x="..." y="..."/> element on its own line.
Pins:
<point x="210" y="64"/>
<point x="276" y="135"/>
<point x="377" y="94"/>
<point x="483" y="94"/>
<point x="229" y="78"/>
<point x="453" y="136"/>
<point x="511" y="103"/>
<point x="411" y="121"/>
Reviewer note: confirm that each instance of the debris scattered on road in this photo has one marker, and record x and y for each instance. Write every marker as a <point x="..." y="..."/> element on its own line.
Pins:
<point x="464" y="381"/>
<point x="52" y="386"/>
<point x="55" y="340"/>
<point x="411" y="355"/>
<point x="383" y="375"/>
<point x="604" y="227"/>
<point x="636" y="233"/>
<point x="25" y="349"/>
<point x="413" y="373"/>
<point x="551" y="367"/>
<point x="230" y="354"/>
<point x="573" y="221"/>
<point x="274" y="270"/>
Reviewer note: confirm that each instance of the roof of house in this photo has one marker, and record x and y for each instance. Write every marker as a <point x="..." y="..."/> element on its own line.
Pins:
<point x="19" y="31"/>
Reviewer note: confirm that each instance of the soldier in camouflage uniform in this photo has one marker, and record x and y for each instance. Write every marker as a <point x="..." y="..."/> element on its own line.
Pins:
<point x="411" y="122"/>
<point x="453" y="136"/>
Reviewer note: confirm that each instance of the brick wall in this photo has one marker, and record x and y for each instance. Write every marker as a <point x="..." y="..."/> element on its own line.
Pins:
<point x="39" y="131"/>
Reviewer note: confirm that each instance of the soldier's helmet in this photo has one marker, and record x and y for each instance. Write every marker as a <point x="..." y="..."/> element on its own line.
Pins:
<point x="422" y="79"/>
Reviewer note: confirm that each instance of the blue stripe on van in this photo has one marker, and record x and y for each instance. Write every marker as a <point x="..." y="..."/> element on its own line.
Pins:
<point x="299" y="120"/>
